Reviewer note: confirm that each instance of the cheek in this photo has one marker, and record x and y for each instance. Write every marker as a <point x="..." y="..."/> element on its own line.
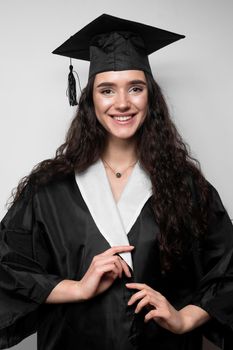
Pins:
<point x="142" y="103"/>
<point x="101" y="104"/>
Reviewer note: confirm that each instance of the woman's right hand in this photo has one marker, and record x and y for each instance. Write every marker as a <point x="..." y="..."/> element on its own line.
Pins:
<point x="101" y="274"/>
<point x="103" y="271"/>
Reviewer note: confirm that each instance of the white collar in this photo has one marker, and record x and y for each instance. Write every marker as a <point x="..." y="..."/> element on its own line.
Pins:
<point x="114" y="220"/>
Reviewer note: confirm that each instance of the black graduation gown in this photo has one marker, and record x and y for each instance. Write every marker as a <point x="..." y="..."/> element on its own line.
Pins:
<point x="53" y="236"/>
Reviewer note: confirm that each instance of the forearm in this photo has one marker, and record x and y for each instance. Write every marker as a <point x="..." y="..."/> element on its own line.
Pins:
<point x="66" y="291"/>
<point x="192" y="317"/>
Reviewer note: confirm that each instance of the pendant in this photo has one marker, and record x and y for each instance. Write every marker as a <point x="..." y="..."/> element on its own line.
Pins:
<point x="118" y="175"/>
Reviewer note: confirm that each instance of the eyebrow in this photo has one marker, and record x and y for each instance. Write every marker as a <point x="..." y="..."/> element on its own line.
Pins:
<point x="131" y="82"/>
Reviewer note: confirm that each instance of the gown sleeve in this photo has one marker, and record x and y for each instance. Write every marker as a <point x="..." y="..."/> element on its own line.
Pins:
<point x="25" y="281"/>
<point x="215" y="290"/>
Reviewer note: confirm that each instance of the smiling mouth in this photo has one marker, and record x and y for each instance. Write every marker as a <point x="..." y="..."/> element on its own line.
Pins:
<point x="123" y="118"/>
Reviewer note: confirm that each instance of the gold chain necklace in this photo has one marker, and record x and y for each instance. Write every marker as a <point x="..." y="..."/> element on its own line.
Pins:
<point x="117" y="173"/>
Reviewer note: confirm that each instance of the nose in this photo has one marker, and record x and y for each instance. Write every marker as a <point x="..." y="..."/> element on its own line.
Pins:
<point x="122" y="102"/>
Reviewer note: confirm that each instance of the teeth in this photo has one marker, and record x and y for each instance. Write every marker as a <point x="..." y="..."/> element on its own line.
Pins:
<point x="122" y="118"/>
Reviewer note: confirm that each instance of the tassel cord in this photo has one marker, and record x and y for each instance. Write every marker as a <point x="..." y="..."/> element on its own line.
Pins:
<point x="71" y="89"/>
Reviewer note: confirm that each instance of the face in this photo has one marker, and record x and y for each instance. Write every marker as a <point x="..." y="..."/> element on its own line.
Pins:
<point x="121" y="100"/>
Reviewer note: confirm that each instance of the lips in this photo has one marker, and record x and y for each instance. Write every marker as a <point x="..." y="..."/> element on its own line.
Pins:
<point x="122" y="118"/>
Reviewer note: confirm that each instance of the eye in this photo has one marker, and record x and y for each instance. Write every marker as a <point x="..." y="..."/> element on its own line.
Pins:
<point x="136" y="89"/>
<point x="106" y="91"/>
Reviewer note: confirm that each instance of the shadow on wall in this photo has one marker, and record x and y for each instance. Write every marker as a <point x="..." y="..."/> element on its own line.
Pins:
<point x="209" y="346"/>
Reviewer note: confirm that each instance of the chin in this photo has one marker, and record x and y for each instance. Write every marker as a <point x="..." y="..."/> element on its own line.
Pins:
<point x="123" y="134"/>
<point x="128" y="136"/>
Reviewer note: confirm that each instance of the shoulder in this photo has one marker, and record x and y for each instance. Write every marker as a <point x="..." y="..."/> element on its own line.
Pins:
<point x="23" y="210"/>
<point x="32" y="192"/>
<point x="55" y="187"/>
<point x="215" y="204"/>
<point x="204" y="194"/>
<point x="56" y="183"/>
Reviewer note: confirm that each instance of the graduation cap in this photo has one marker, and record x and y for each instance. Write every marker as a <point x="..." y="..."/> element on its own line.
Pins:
<point x="114" y="44"/>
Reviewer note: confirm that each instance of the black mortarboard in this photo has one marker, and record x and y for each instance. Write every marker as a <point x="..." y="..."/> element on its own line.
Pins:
<point x="112" y="44"/>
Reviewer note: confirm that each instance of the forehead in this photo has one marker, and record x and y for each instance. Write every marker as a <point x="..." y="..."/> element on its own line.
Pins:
<point x="115" y="77"/>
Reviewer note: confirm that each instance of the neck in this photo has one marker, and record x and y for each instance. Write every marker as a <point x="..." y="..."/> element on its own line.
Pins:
<point x="120" y="153"/>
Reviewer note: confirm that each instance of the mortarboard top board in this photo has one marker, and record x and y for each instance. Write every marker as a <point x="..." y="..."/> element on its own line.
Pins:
<point x="112" y="43"/>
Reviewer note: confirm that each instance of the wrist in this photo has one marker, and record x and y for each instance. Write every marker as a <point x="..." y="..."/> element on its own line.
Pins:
<point x="186" y="322"/>
<point x="67" y="291"/>
<point x="191" y="317"/>
<point x="79" y="294"/>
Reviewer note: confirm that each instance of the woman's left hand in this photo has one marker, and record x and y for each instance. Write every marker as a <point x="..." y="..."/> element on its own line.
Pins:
<point x="161" y="311"/>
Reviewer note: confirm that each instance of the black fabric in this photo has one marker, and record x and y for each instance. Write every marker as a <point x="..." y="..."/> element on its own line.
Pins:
<point x="117" y="51"/>
<point x="113" y="44"/>
<point x="24" y="281"/>
<point x="53" y="237"/>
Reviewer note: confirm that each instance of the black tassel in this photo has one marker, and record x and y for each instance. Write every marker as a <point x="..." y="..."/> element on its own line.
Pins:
<point x="72" y="88"/>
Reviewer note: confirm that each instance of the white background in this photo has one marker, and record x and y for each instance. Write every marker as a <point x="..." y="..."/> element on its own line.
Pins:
<point x="195" y="74"/>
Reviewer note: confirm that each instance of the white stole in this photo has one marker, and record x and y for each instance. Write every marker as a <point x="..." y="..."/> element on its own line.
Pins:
<point x="114" y="220"/>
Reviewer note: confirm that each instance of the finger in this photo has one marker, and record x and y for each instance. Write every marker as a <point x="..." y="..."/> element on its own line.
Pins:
<point x="162" y="314"/>
<point x="101" y="260"/>
<point x="118" y="264"/>
<point x="141" y="286"/>
<point x="144" y="302"/>
<point x="117" y="250"/>
<point x="113" y="274"/>
<point x="125" y="267"/>
<point x="117" y="267"/>
<point x="101" y="270"/>
<point x="152" y="315"/>
<point x="138" y="286"/>
<point x="137" y="296"/>
<point x="148" y="302"/>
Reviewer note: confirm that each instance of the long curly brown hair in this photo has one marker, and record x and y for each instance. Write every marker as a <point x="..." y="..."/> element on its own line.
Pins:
<point x="179" y="189"/>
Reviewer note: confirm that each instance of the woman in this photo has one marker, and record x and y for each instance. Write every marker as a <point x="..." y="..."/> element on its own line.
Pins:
<point x="119" y="241"/>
